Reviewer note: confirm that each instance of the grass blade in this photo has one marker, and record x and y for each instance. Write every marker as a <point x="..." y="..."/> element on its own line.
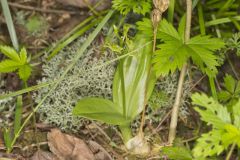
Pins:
<point x="10" y="25"/>
<point x="71" y="39"/>
<point x="22" y="91"/>
<point x="18" y="114"/>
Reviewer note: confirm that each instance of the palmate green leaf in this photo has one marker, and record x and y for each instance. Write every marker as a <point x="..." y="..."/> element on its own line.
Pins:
<point x="130" y="81"/>
<point x="209" y="144"/>
<point x="174" y="52"/>
<point x="24" y="72"/>
<point x="100" y="109"/>
<point x="9" y="52"/>
<point x="9" y="66"/>
<point x="211" y="111"/>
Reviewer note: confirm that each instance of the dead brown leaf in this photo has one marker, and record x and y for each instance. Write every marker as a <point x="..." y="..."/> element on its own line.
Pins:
<point x="43" y="155"/>
<point x="99" y="152"/>
<point x="68" y="147"/>
<point x="104" y="4"/>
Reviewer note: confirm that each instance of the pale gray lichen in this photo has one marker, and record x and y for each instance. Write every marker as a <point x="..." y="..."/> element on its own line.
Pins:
<point x="162" y="99"/>
<point x="6" y="107"/>
<point x="84" y="81"/>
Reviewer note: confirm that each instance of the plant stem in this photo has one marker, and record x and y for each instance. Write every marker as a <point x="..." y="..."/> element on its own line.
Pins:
<point x="174" y="117"/>
<point x="126" y="133"/>
<point x="213" y="88"/>
<point x="231" y="151"/>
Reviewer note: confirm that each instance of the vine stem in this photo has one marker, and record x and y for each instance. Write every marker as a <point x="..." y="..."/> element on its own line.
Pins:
<point x="174" y="117"/>
<point x="231" y="151"/>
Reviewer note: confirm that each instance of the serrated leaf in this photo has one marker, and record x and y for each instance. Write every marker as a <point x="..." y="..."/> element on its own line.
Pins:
<point x="24" y="72"/>
<point x="100" y="109"/>
<point x="224" y="96"/>
<point x="167" y="32"/>
<point x="174" y="52"/>
<point x="182" y="26"/>
<point x="209" y="144"/>
<point x="231" y="136"/>
<point x="145" y="27"/>
<point x="177" y="153"/>
<point x="236" y="114"/>
<point x="211" y="111"/>
<point x="10" y="53"/>
<point x="9" y="66"/>
<point x="230" y="83"/>
<point x="23" y="56"/>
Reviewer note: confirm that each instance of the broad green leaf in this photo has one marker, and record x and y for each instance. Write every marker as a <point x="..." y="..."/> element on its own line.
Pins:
<point x="130" y="81"/>
<point x="9" y="52"/>
<point x="100" y="109"/>
<point x="24" y="72"/>
<point x="211" y="111"/>
<point x="9" y="66"/>
<point x="177" y="153"/>
<point x="230" y="83"/>
<point x="23" y="56"/>
<point x="209" y="144"/>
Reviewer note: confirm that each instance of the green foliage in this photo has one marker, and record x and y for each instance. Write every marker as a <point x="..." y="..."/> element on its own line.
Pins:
<point x="234" y="43"/>
<point x="177" y="153"/>
<point x="225" y="126"/>
<point x="36" y="24"/>
<point x="100" y="109"/>
<point x="136" y="6"/>
<point x="175" y="52"/>
<point x="129" y="91"/>
<point x="231" y="93"/>
<point x="15" y="62"/>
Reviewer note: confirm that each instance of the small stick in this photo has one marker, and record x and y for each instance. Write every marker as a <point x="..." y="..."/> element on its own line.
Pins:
<point x="44" y="10"/>
<point x="174" y="118"/>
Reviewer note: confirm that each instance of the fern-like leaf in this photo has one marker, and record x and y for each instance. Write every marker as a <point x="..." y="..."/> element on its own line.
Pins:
<point x="136" y="6"/>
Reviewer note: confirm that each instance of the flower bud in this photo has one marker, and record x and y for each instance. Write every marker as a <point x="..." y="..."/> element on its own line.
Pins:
<point x="162" y="5"/>
<point x="156" y="17"/>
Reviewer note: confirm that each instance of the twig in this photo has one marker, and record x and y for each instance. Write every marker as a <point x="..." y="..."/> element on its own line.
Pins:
<point x="231" y="151"/>
<point x="44" y="10"/>
<point x="174" y="118"/>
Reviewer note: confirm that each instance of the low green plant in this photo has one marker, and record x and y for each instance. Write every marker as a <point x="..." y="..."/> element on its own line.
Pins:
<point x="8" y="132"/>
<point x="130" y="90"/>
<point x="16" y="62"/>
<point x="225" y="127"/>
